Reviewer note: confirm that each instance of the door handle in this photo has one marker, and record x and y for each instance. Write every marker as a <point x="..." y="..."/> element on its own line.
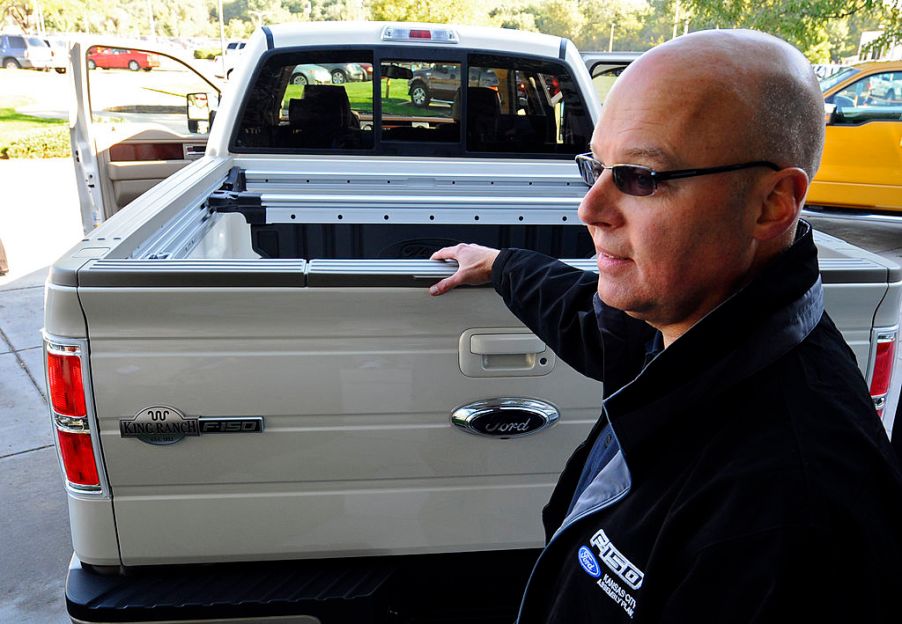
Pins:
<point x="505" y="344"/>
<point x="503" y="352"/>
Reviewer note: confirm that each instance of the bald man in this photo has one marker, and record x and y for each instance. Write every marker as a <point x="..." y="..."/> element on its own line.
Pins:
<point x="738" y="471"/>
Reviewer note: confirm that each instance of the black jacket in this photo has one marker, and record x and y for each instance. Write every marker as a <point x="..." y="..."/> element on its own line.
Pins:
<point x="754" y="481"/>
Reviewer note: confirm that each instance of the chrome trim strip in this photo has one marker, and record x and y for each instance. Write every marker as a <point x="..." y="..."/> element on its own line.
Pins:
<point x="878" y="334"/>
<point x="90" y="419"/>
<point x="852" y="214"/>
<point x="61" y="349"/>
<point x="71" y="424"/>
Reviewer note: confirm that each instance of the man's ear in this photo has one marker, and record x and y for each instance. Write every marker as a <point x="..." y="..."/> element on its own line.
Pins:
<point x="782" y="204"/>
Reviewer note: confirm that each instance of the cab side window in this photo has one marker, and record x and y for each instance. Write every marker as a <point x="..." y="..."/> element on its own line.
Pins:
<point x="877" y="97"/>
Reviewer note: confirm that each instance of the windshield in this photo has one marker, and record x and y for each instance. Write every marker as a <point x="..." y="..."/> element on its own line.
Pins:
<point x="831" y="81"/>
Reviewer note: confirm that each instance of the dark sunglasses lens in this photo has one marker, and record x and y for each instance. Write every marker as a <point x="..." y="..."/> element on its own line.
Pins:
<point x="587" y="171"/>
<point x="634" y="180"/>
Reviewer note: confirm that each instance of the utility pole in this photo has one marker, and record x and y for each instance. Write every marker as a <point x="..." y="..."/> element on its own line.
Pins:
<point x="611" y="39"/>
<point x="676" y="18"/>
<point x="153" y="26"/>
<point x="222" y="39"/>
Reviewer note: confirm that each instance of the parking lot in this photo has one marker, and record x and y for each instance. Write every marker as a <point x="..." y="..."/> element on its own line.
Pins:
<point x="39" y="220"/>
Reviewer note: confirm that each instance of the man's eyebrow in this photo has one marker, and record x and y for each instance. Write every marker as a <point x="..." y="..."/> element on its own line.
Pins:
<point x="654" y="154"/>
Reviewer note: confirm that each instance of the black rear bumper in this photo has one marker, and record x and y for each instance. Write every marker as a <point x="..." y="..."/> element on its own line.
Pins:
<point x="468" y="587"/>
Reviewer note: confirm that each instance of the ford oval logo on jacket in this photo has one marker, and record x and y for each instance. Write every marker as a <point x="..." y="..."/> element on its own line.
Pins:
<point x="505" y="417"/>
<point x="588" y="561"/>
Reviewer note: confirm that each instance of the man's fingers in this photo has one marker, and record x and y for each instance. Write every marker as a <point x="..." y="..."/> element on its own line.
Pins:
<point x="440" y="288"/>
<point x="474" y="266"/>
<point x="445" y="253"/>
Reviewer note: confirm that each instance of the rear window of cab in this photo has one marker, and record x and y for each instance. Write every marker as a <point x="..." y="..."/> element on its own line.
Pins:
<point x="347" y="101"/>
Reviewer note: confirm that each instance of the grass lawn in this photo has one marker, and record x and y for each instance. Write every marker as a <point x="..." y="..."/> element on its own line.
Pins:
<point x="27" y="136"/>
<point x="395" y="100"/>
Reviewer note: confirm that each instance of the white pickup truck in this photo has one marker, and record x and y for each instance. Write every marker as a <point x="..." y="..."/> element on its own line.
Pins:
<point x="260" y="411"/>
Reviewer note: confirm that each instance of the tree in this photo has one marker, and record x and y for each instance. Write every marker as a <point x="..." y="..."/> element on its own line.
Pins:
<point x="19" y="13"/>
<point x="560" y="17"/>
<point x="804" y="23"/>
<point x="439" y="11"/>
<point x="627" y="17"/>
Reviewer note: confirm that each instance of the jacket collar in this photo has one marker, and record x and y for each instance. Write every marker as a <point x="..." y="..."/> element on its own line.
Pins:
<point x="751" y="329"/>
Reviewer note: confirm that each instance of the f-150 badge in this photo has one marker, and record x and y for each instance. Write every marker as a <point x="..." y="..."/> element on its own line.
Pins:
<point x="162" y="424"/>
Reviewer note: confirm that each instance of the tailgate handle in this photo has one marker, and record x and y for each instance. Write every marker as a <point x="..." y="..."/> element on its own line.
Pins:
<point x="503" y="352"/>
<point x="505" y="344"/>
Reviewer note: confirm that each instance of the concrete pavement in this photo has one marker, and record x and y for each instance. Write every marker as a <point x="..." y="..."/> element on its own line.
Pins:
<point x="39" y="220"/>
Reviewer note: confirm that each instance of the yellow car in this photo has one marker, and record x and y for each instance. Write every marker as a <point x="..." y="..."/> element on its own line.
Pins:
<point x="862" y="163"/>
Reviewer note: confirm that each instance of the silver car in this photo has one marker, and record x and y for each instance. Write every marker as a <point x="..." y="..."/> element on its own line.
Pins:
<point x="310" y="74"/>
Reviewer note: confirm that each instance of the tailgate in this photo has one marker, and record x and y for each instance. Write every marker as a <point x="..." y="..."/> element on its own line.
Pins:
<point x="355" y="385"/>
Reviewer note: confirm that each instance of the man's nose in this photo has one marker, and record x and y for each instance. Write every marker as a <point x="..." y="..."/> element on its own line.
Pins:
<point x="599" y="205"/>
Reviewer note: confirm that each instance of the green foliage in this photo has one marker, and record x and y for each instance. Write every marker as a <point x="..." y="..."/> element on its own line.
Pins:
<point x="26" y="136"/>
<point x="438" y="11"/>
<point x="561" y="17"/>
<point x="47" y="143"/>
<point x="206" y="53"/>
<point x="823" y="29"/>
<point x="808" y="24"/>
<point x="627" y="17"/>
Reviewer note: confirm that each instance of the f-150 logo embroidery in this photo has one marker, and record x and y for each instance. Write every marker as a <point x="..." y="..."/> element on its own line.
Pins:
<point x="162" y="424"/>
<point x="618" y="564"/>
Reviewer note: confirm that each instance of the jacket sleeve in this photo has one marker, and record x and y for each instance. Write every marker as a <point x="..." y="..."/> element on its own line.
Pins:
<point x="554" y="300"/>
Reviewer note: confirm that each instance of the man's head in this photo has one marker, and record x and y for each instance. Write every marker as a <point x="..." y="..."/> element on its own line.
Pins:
<point x="704" y="100"/>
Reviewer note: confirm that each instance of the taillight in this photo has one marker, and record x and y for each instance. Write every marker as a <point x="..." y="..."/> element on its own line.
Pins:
<point x="66" y="387"/>
<point x="67" y="394"/>
<point x="883" y="369"/>
<point x="78" y="458"/>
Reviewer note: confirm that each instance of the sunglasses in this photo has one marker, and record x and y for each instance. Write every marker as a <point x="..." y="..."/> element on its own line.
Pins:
<point x="642" y="181"/>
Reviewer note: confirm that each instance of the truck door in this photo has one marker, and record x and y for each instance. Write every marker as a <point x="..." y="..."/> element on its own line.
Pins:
<point x="131" y="127"/>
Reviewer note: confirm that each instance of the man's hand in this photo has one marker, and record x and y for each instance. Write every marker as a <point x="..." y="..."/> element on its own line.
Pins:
<point x="474" y="266"/>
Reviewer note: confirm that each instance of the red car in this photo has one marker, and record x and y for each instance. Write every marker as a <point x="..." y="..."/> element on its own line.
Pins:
<point x="118" y="58"/>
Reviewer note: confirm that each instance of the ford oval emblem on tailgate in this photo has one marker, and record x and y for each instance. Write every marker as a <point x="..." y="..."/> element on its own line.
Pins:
<point x="505" y="418"/>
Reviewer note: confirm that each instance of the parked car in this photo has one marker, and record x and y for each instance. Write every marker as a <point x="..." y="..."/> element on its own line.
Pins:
<point x="226" y="64"/>
<point x="606" y="67"/>
<point x="59" y="48"/>
<point x="862" y="163"/>
<point x="440" y="82"/>
<point x="234" y="47"/>
<point x="310" y="74"/>
<point x="346" y="72"/>
<point x="21" y="51"/>
<point x="120" y="58"/>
